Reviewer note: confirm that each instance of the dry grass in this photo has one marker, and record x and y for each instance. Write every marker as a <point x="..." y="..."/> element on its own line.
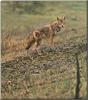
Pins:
<point x="11" y="44"/>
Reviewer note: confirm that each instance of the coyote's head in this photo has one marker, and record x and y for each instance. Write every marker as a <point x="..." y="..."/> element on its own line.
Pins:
<point x="59" y="23"/>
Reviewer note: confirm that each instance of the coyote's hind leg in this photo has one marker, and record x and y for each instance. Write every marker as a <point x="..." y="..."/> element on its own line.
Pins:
<point x="37" y="45"/>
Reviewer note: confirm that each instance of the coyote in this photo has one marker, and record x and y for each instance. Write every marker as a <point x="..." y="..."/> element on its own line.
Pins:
<point x="48" y="31"/>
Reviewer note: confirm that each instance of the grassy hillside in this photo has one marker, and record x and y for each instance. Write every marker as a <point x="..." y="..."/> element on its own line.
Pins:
<point x="53" y="73"/>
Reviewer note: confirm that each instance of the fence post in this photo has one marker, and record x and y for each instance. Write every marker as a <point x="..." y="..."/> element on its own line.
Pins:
<point x="87" y="51"/>
<point x="77" y="91"/>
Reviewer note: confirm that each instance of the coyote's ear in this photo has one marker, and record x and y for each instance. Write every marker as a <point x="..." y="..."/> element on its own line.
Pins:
<point x="63" y="18"/>
<point x="57" y="18"/>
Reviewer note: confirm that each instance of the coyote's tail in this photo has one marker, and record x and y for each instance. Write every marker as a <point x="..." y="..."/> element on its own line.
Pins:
<point x="30" y="41"/>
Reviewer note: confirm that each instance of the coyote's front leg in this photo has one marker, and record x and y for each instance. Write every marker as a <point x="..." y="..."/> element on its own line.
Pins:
<point x="51" y="40"/>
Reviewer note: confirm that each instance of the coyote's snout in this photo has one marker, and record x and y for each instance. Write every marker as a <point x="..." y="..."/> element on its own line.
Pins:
<point x="47" y="31"/>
